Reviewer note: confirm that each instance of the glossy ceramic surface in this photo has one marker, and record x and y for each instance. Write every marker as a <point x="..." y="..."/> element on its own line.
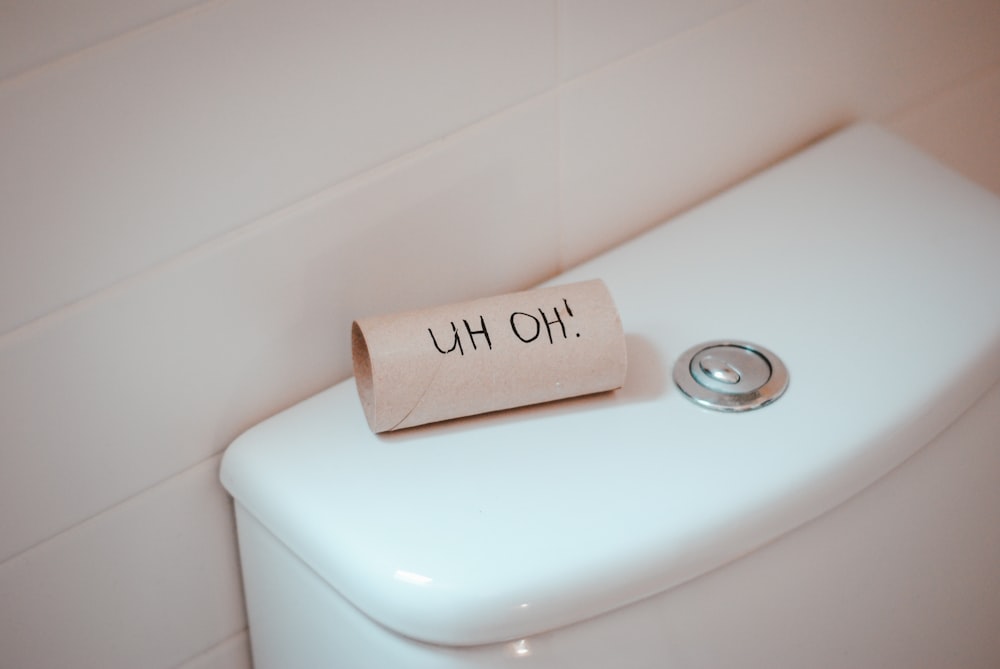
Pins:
<point x="869" y="269"/>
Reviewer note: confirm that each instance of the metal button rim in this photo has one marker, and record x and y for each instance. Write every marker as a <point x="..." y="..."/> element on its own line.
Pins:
<point x="772" y="389"/>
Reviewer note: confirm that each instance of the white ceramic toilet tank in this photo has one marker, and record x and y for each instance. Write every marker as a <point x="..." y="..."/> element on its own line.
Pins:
<point x="854" y="522"/>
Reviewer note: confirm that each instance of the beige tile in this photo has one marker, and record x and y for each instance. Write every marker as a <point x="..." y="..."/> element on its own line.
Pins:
<point x="960" y="127"/>
<point x="593" y="33"/>
<point x="35" y="32"/>
<point x="103" y="399"/>
<point x="125" y="156"/>
<point x="651" y="135"/>
<point x="233" y="653"/>
<point x="146" y="584"/>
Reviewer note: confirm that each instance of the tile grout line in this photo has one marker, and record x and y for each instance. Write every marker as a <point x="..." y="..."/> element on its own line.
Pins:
<point x="337" y="189"/>
<point x="243" y="632"/>
<point x="642" y="51"/>
<point x="100" y="512"/>
<point x="248" y="229"/>
<point x="970" y="78"/>
<point x="110" y="42"/>
<point x="599" y="71"/>
<point x="263" y="222"/>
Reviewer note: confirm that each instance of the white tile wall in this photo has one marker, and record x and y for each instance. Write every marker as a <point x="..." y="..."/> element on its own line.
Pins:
<point x="960" y="127"/>
<point x="194" y="204"/>
<point x="149" y="583"/>
<point x="645" y="137"/>
<point x="233" y="653"/>
<point x="165" y="140"/>
<point x="35" y="32"/>
<point x="593" y="33"/>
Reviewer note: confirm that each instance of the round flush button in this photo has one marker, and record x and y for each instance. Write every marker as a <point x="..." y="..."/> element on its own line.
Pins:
<point x="730" y="375"/>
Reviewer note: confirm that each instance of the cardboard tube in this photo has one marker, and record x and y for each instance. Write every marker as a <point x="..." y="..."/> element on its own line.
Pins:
<point x="486" y="355"/>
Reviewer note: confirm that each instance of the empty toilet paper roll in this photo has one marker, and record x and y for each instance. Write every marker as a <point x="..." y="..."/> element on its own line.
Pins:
<point x="485" y="355"/>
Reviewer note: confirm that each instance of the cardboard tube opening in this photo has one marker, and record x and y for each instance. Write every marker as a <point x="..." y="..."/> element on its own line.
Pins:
<point x="363" y="372"/>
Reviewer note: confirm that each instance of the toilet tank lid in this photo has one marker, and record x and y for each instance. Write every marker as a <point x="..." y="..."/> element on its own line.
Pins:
<point x="867" y="267"/>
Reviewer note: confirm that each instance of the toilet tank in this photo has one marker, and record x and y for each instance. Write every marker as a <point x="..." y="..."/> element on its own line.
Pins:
<point x="870" y="270"/>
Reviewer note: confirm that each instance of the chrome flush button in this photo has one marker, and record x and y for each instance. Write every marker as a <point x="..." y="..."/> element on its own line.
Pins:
<point x="730" y="369"/>
<point x="719" y="370"/>
<point x="730" y="375"/>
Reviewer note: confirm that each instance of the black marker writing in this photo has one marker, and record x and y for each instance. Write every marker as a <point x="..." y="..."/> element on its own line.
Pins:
<point x="526" y="327"/>
<point x="529" y="332"/>
<point x="457" y="341"/>
<point x="482" y="331"/>
<point x="549" y="324"/>
<point x="517" y="331"/>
